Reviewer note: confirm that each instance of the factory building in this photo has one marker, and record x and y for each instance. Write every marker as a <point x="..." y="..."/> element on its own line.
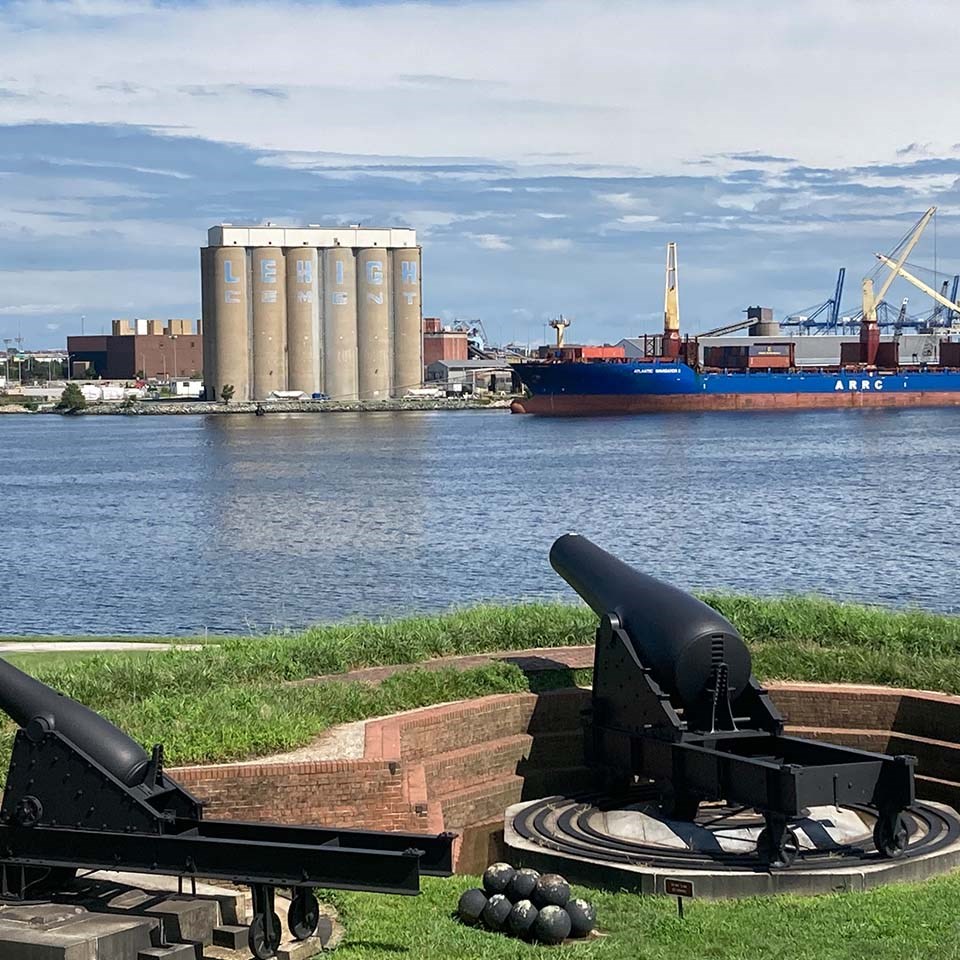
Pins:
<point x="171" y="350"/>
<point x="333" y="310"/>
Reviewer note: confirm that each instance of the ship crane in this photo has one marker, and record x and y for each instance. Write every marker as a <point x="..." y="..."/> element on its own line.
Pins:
<point x="560" y="325"/>
<point x="671" y="306"/>
<point x="897" y="268"/>
<point x="869" y="331"/>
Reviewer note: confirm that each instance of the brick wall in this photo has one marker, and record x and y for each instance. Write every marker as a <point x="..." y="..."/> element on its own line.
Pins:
<point x="457" y="766"/>
<point x="364" y="794"/>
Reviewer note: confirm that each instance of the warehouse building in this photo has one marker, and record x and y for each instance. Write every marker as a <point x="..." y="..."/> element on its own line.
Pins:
<point x="315" y="309"/>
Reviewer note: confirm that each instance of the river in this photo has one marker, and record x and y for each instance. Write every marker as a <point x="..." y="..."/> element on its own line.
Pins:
<point x="181" y="525"/>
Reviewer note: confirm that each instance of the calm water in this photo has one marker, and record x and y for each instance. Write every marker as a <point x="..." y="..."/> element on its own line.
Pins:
<point x="180" y="525"/>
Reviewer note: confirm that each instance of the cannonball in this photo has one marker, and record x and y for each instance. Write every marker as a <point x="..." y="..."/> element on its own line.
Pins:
<point x="583" y="917"/>
<point x="522" y="885"/>
<point x="496" y="911"/>
<point x="552" y="925"/>
<point x="551" y="890"/>
<point x="470" y="907"/>
<point x="497" y="877"/>
<point x="521" y="919"/>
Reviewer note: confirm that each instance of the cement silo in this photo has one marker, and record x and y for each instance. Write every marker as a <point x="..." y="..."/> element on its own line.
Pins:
<point x="304" y="347"/>
<point x="407" y="322"/>
<point x="336" y="309"/>
<point x="340" y="323"/>
<point x="207" y="322"/>
<point x="269" y="321"/>
<point x="231" y="319"/>
<point x="373" y="324"/>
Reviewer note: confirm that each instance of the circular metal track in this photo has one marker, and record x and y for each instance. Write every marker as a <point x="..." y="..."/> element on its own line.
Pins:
<point x="573" y="827"/>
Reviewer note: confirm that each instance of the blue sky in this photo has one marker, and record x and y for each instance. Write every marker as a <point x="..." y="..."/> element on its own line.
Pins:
<point x="545" y="151"/>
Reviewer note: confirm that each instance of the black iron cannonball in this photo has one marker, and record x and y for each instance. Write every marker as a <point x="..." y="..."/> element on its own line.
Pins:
<point x="552" y="925"/>
<point x="551" y="890"/>
<point x="497" y="877"/>
<point x="523" y="884"/>
<point x="521" y="919"/>
<point x="471" y="905"/>
<point x="496" y="911"/>
<point x="583" y="917"/>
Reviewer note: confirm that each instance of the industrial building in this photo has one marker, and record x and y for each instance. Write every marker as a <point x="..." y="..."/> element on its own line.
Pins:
<point x="170" y="350"/>
<point x="444" y="343"/>
<point x="470" y="376"/>
<point x="315" y="309"/>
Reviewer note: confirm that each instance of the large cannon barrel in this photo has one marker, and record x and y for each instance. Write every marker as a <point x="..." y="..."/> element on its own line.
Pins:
<point x="676" y="635"/>
<point x="26" y="699"/>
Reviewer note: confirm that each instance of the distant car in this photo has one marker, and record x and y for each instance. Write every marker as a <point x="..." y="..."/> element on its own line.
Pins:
<point x="319" y="396"/>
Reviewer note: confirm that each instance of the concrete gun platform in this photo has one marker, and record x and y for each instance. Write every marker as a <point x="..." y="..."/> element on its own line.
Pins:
<point x="109" y="916"/>
<point x="627" y="843"/>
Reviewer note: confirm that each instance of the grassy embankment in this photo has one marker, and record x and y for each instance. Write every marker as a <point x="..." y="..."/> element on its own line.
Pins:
<point x="230" y="700"/>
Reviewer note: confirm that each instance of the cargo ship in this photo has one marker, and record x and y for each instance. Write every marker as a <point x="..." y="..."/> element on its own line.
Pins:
<point x="675" y="374"/>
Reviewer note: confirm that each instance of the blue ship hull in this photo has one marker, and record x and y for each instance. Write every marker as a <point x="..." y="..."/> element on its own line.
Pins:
<point x="637" y="387"/>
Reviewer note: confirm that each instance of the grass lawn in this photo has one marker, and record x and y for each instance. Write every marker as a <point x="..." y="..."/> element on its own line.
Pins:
<point x="231" y="701"/>
<point x="900" y="922"/>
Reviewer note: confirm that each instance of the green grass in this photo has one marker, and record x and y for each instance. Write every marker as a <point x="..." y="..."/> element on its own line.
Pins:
<point x="230" y="699"/>
<point x="899" y="922"/>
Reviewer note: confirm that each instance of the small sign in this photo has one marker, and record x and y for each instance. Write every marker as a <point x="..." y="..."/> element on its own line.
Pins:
<point x="678" y="888"/>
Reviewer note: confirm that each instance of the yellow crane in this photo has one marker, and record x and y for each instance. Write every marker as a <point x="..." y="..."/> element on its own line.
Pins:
<point x="671" y="305"/>
<point x="560" y="325"/>
<point x="870" y="299"/>
<point x="896" y="268"/>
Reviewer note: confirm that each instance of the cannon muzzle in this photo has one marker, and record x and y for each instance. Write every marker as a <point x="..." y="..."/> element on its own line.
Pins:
<point x="26" y="699"/>
<point x="678" y="636"/>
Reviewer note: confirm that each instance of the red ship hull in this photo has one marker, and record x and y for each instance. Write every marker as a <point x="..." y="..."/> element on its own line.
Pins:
<point x="567" y="405"/>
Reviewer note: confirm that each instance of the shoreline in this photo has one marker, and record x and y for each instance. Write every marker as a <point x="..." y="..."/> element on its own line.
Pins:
<point x="153" y="408"/>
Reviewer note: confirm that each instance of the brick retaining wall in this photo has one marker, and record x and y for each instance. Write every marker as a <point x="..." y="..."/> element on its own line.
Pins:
<point x="457" y="766"/>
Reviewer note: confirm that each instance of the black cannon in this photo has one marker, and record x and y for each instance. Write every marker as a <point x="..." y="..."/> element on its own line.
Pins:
<point x="674" y="701"/>
<point x="82" y="795"/>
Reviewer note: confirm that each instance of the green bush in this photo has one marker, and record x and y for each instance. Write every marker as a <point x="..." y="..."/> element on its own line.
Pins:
<point x="72" y="399"/>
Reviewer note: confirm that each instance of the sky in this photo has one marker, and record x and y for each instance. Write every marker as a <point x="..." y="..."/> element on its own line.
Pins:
<point x="545" y="150"/>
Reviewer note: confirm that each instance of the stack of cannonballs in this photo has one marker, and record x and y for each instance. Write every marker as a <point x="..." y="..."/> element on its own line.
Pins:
<point x="524" y="904"/>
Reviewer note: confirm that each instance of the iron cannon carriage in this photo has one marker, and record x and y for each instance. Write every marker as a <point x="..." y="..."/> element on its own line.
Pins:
<point x="674" y="702"/>
<point x="82" y="795"/>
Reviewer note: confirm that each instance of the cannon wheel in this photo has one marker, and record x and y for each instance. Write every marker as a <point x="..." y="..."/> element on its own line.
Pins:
<point x="778" y="853"/>
<point x="890" y="835"/>
<point x="304" y="914"/>
<point x="264" y="944"/>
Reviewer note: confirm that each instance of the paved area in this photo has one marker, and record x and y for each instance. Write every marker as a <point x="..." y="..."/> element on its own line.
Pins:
<point x="89" y="646"/>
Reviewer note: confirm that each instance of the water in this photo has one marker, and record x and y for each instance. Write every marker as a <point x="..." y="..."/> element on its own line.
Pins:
<point x="124" y="525"/>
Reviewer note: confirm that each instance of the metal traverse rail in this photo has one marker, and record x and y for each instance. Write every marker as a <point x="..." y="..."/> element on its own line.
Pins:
<point x="82" y="795"/>
<point x="569" y="826"/>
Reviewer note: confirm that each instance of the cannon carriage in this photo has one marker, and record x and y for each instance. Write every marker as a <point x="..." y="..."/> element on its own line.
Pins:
<point x="82" y="795"/>
<point x="674" y="702"/>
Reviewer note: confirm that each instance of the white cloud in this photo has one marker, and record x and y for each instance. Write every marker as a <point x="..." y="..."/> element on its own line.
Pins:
<point x="563" y="66"/>
<point x="553" y="244"/>
<point x="490" y="241"/>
